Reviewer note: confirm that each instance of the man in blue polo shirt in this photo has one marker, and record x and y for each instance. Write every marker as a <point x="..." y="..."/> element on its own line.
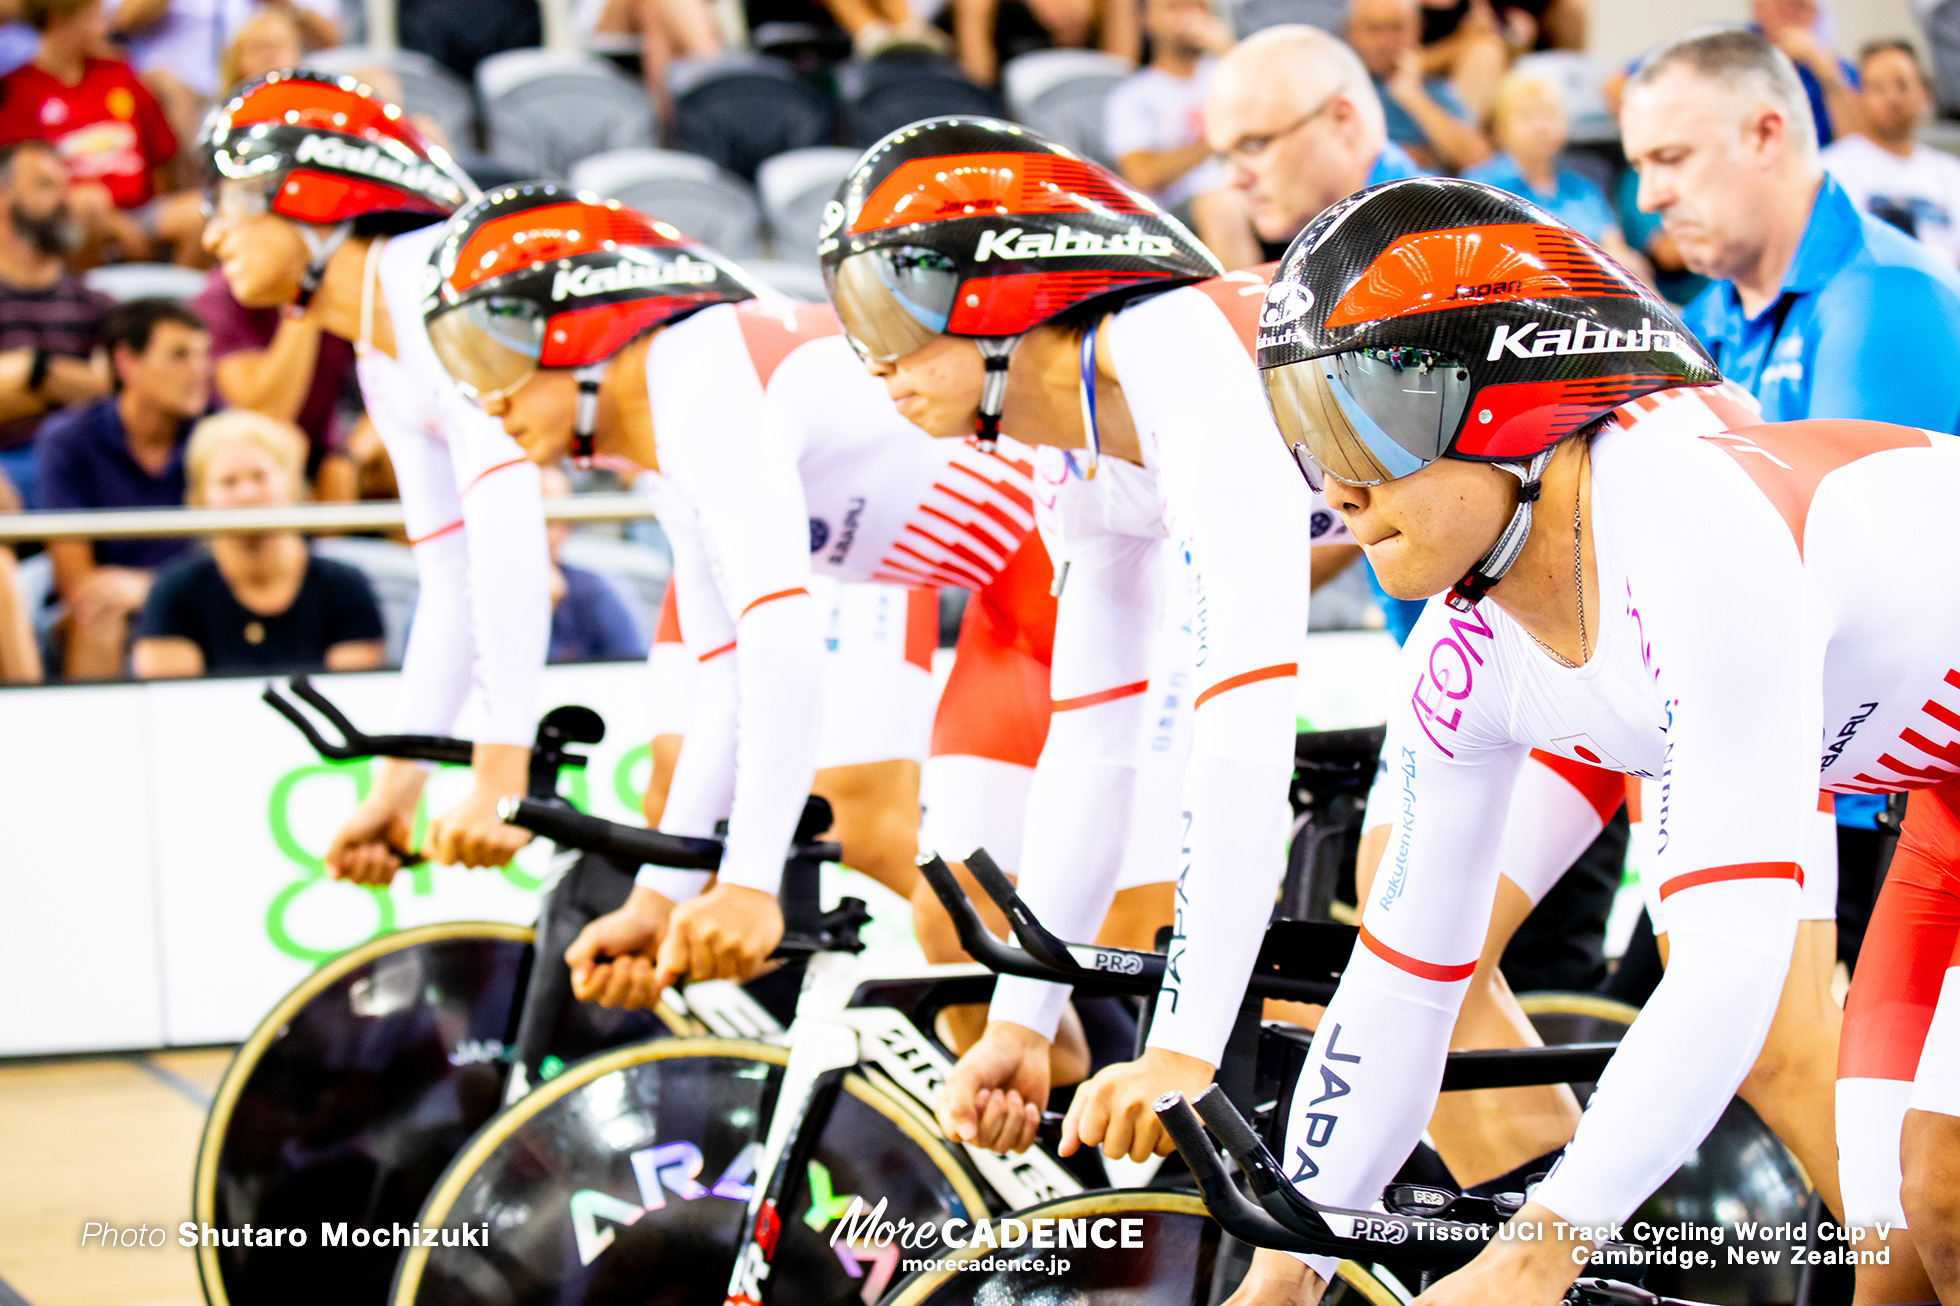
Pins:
<point x="123" y="451"/>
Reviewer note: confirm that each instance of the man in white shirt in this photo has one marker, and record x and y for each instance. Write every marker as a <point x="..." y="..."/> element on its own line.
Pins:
<point x="1887" y="172"/>
<point x="1153" y="122"/>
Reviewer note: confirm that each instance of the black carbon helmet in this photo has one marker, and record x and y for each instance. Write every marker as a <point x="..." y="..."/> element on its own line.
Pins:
<point x="1434" y="317"/>
<point x="977" y="227"/>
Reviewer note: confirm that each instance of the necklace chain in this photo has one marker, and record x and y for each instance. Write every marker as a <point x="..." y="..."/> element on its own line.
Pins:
<point x="1579" y="585"/>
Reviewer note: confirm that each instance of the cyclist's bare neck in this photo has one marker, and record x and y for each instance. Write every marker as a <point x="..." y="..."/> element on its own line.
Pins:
<point x="1539" y="592"/>
<point x="1044" y="395"/>
<point x="625" y="424"/>
<point x="336" y="306"/>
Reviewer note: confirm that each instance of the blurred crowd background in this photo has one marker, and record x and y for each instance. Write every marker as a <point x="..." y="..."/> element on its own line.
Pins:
<point x="129" y="377"/>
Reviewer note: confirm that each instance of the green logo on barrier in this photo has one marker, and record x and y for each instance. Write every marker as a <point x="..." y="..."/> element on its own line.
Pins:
<point x="418" y="881"/>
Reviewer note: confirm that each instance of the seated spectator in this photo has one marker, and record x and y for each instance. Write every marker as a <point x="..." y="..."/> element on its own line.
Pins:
<point x="987" y="33"/>
<point x="20" y="655"/>
<point x="267" y="41"/>
<point x="1884" y="169"/>
<point x="667" y="30"/>
<point x="1471" y="41"/>
<point x="107" y="128"/>
<point x="254" y="602"/>
<point x="49" y="321"/>
<point x="123" y="451"/>
<point x="589" y="622"/>
<point x="286" y="368"/>
<point x="1424" y="116"/>
<point x="1530" y="128"/>
<point x="1154" y="121"/>
<point x="178" y="46"/>
<point x="1795" y="27"/>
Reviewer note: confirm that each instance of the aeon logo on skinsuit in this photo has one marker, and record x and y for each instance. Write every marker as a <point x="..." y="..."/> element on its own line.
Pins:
<point x="1451" y="675"/>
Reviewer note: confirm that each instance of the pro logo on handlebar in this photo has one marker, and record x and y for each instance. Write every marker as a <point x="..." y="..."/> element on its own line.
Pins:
<point x="1116" y="963"/>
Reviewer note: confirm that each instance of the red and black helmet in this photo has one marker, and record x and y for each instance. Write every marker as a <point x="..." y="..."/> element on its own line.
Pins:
<point x="976" y="227"/>
<point x="1436" y="318"/>
<point x="540" y="276"/>
<point x="325" y="149"/>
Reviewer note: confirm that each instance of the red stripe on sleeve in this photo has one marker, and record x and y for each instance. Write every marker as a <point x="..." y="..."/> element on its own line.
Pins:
<point x="1605" y="790"/>
<point x="437" y="533"/>
<point x="1420" y="969"/>
<point x="1740" y="871"/>
<point x="1099" y="697"/>
<point x="1278" y="671"/>
<point x="714" y="653"/>
<point x="771" y="598"/>
<point x="513" y="462"/>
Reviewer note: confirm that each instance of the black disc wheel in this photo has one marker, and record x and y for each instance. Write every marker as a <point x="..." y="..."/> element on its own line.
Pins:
<point x="346" y="1103"/>
<point x="1741" y="1173"/>
<point x="624" y="1182"/>
<point x="1167" y="1253"/>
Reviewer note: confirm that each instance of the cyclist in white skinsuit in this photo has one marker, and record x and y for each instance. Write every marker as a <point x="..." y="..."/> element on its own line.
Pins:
<point x="309" y="171"/>
<point x="1724" y="593"/>
<point x="788" y="406"/>
<point x="1158" y="400"/>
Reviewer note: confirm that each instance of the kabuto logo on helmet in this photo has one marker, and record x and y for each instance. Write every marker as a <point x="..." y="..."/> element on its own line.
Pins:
<point x="1582" y="337"/>
<point x="584" y="280"/>
<point x="1067" y="242"/>
<point x="370" y="161"/>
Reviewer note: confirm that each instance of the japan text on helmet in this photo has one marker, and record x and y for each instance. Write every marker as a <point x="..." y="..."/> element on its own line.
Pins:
<point x="325" y="151"/>
<point x="1433" y="318"/>
<point x="539" y="276"/>
<point x="976" y="227"/>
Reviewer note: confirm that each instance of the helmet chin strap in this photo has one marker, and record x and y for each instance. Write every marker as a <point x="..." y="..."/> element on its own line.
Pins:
<point x="1490" y="568"/>
<point x="995" y="351"/>
<point x="320" y="247"/>
<point x="583" y="427"/>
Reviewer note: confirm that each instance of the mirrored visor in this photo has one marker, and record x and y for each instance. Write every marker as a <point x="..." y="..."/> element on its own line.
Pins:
<point x="489" y="346"/>
<point x="894" y="301"/>
<point x="1368" y="415"/>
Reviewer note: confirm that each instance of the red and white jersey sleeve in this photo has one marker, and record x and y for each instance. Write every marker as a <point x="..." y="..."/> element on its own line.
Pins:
<point x="1218" y="483"/>
<point x="474" y="517"/>
<point x="1737" y="624"/>
<point x="736" y="497"/>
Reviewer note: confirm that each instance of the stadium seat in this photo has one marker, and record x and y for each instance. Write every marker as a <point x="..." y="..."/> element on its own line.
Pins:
<point x="714" y="207"/>
<point x="390" y="571"/>
<point x="802" y="282"/>
<point x="1249" y="16"/>
<point x="427" y="88"/>
<point x="881" y="95"/>
<point x="1060" y="93"/>
<point x="739" y="109"/>
<point x="795" y="187"/>
<point x="544" y="110"/>
<point x="1941" y="19"/>
<point x="144" y="281"/>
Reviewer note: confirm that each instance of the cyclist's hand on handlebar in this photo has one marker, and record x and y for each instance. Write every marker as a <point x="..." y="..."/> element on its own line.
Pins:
<point x="611" y="960"/>
<point x="471" y="833"/>
<point x="366" y="849"/>
<point x="1516" y="1271"/>
<point x="726" y="933"/>
<point x="1113" y="1109"/>
<point x="994" y="1096"/>
<point x="1277" y="1279"/>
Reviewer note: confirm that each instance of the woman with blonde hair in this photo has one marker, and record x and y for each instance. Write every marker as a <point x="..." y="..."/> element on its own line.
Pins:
<point x="261" y="601"/>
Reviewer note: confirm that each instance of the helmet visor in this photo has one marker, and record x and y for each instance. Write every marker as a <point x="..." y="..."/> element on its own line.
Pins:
<point x="489" y="346"/>
<point x="894" y="301"/>
<point x="1368" y="415"/>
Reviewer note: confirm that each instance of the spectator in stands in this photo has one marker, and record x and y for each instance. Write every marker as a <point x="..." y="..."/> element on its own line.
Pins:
<point x="1830" y="84"/>
<point x="49" y="321"/>
<point x="667" y="30"/>
<point x="1424" y="115"/>
<point x="589" y="622"/>
<point x="1463" y="41"/>
<point x="1154" y="121"/>
<point x="254" y="602"/>
<point x="20" y="655"/>
<point x="107" y="128"/>
<point x="123" y="451"/>
<point x="1299" y="125"/>
<point x="267" y="41"/>
<point x="286" y="367"/>
<point x="1884" y="169"/>
<point x="1530" y="126"/>
<point x="988" y="33"/>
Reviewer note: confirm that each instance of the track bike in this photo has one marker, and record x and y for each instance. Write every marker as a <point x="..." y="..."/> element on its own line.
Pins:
<point x="358" y="1087"/>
